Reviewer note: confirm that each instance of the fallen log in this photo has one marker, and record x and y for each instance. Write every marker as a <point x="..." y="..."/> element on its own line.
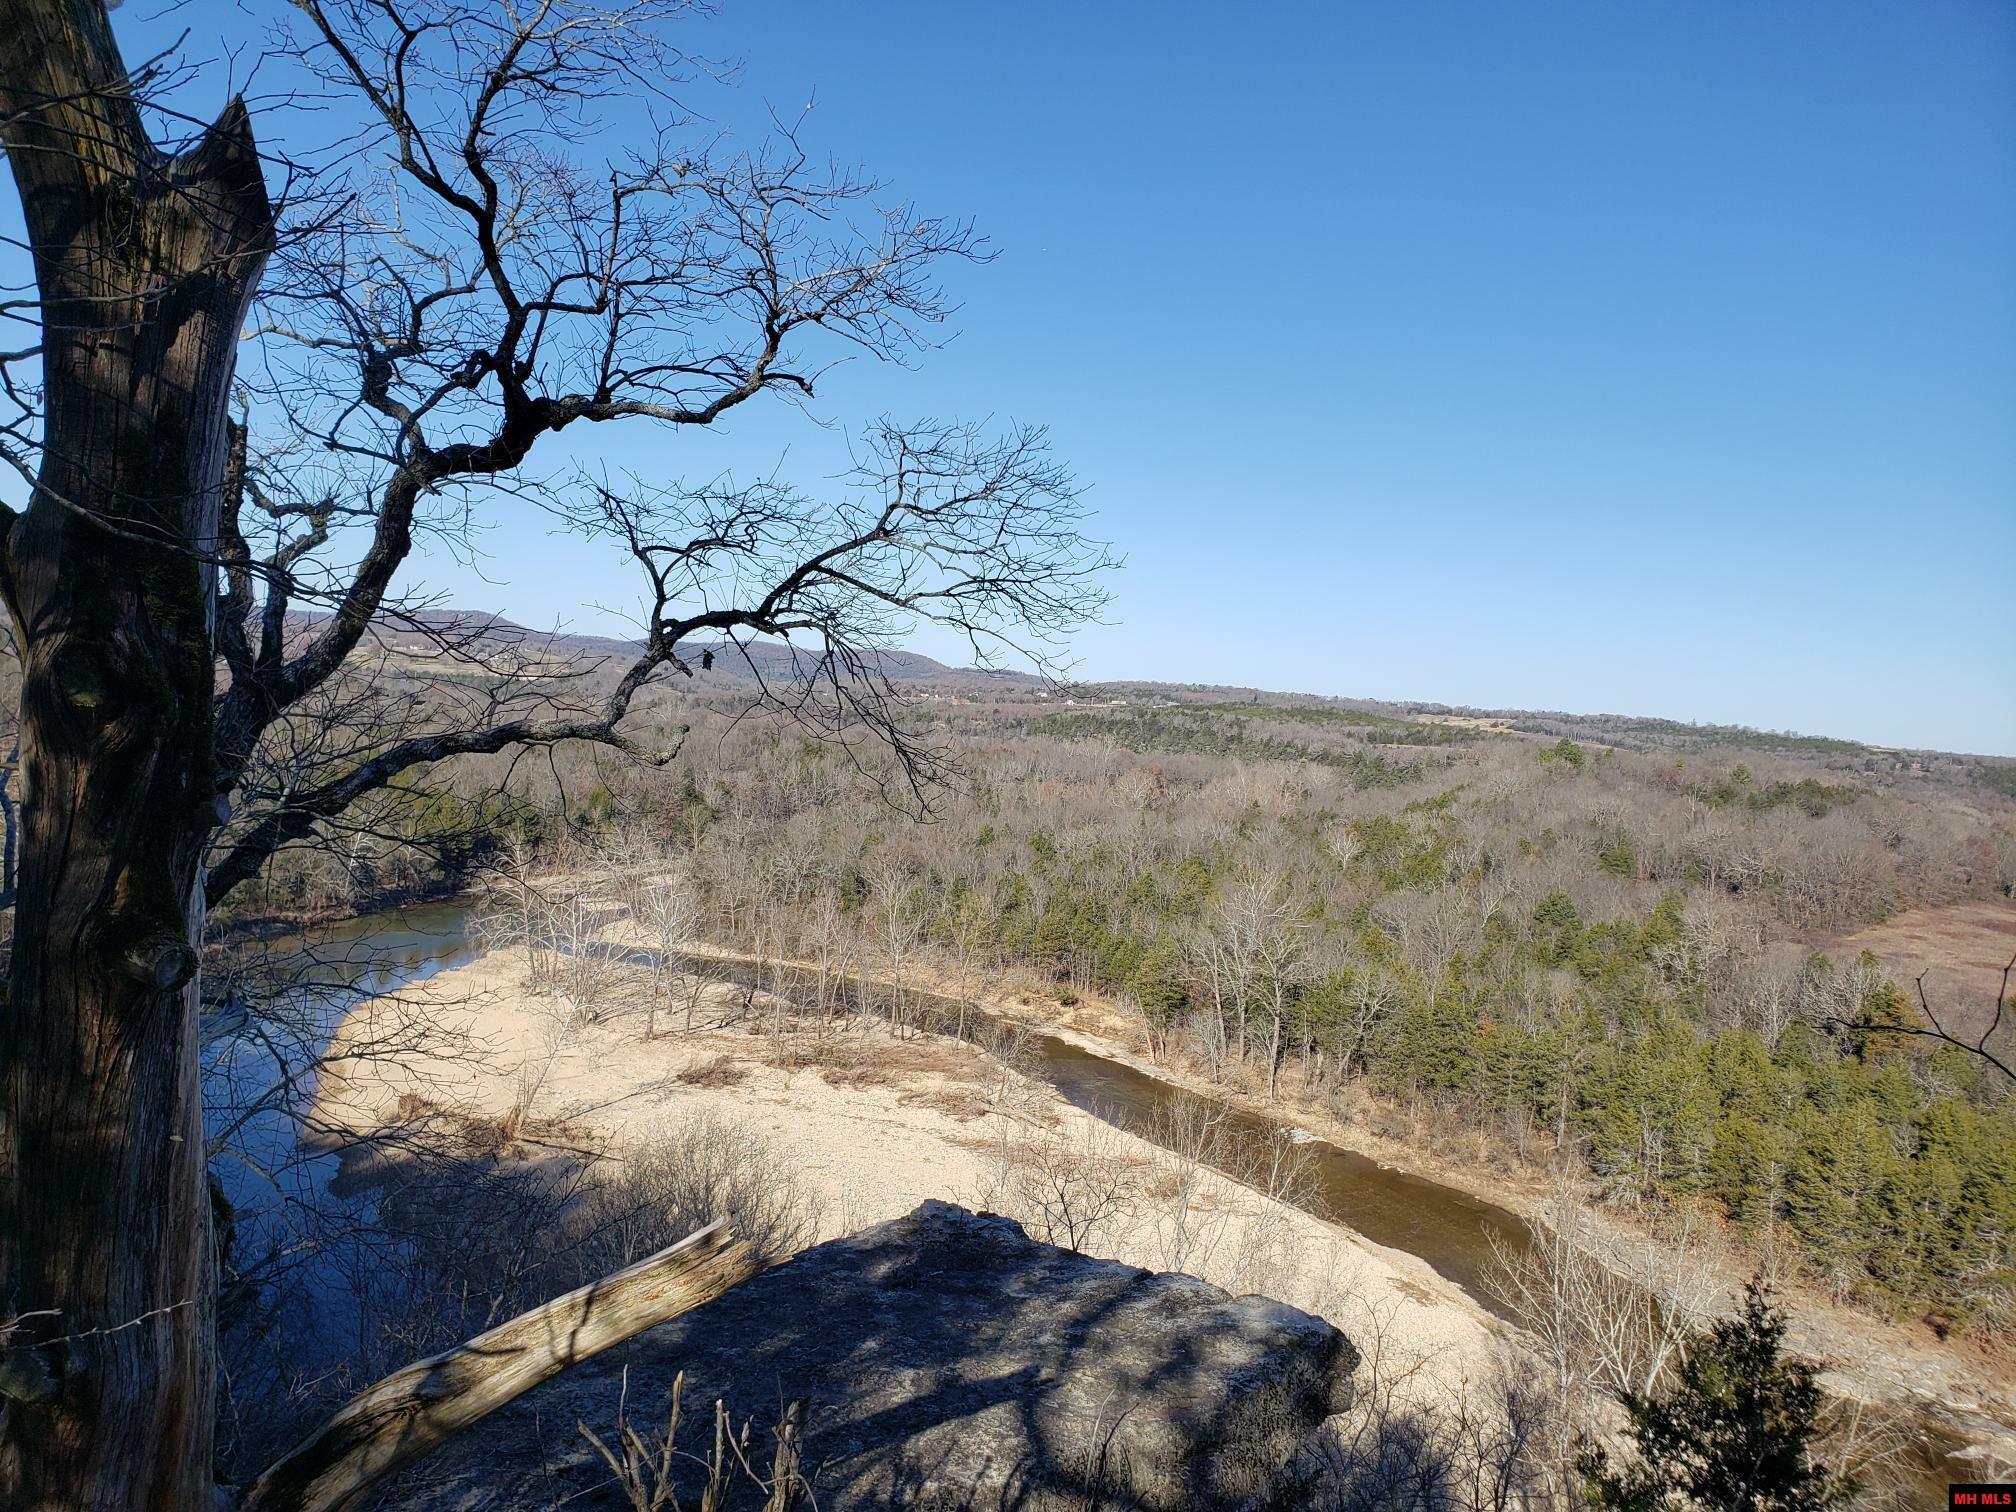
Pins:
<point x="394" y="1422"/>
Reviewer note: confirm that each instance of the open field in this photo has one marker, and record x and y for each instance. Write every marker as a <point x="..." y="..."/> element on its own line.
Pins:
<point x="1960" y="950"/>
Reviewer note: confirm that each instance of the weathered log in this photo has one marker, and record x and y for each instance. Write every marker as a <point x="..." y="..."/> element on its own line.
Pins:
<point x="389" y="1425"/>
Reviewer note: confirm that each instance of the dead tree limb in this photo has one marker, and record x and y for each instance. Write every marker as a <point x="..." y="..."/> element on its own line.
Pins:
<point x="414" y="1410"/>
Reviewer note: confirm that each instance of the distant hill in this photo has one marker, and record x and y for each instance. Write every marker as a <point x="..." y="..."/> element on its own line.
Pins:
<point x="426" y="632"/>
<point x="1381" y="721"/>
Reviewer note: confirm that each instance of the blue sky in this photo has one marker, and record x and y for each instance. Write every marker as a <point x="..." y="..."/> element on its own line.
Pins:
<point x="1649" y="358"/>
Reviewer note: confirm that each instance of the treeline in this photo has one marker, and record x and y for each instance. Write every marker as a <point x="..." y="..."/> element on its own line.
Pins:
<point x="1893" y="1172"/>
<point x="1180" y="731"/>
<point x="1378" y="727"/>
<point x="1671" y="734"/>
<point x="422" y="837"/>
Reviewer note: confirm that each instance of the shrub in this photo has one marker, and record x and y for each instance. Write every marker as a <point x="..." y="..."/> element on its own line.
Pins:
<point x="1733" y="1433"/>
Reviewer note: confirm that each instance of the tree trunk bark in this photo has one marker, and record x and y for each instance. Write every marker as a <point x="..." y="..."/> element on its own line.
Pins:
<point x="145" y="265"/>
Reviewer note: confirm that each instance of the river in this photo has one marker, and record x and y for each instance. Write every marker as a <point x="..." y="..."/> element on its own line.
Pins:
<point x="1451" y="1230"/>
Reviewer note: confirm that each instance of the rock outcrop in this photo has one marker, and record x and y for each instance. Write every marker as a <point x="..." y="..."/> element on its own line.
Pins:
<point x="948" y="1361"/>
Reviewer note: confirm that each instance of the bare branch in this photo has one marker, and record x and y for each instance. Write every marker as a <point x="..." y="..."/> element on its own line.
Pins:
<point x="1934" y="1029"/>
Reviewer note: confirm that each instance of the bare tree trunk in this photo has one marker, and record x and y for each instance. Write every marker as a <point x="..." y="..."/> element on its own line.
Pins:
<point x="10" y="817"/>
<point x="145" y="266"/>
<point x="1274" y="1057"/>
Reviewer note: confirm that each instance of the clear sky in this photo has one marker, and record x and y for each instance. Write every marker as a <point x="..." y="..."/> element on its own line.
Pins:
<point x="1655" y="358"/>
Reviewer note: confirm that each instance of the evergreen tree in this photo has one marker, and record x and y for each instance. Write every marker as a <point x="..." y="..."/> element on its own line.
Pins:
<point x="1732" y="1435"/>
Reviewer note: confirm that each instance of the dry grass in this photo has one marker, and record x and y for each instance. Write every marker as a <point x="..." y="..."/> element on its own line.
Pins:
<point x="716" y="1071"/>
<point x="650" y="1468"/>
<point x="415" y="1121"/>
<point x="964" y="1103"/>
<point x="1960" y="950"/>
<point x="857" y="1074"/>
<point x="875" y="1060"/>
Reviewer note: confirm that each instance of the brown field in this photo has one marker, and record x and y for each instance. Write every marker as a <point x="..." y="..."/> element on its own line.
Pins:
<point x="1960" y="950"/>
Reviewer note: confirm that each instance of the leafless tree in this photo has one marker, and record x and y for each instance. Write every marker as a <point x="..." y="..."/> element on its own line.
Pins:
<point x="1409" y="1443"/>
<point x="1192" y="1145"/>
<point x="1248" y="927"/>
<point x="1012" y="1065"/>
<point x="1369" y="999"/>
<point x="1602" y="1326"/>
<point x="668" y="911"/>
<point x="1073" y="1188"/>
<point x="1287" y="967"/>
<point x="892" y="894"/>
<point x="1433" y="929"/>
<point x="1210" y="957"/>
<point x="456" y="286"/>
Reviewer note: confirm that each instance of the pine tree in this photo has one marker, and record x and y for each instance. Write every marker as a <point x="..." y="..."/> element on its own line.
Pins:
<point x="1732" y="1435"/>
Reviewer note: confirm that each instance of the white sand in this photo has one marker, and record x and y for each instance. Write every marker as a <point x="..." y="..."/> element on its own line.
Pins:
<point x="894" y="1123"/>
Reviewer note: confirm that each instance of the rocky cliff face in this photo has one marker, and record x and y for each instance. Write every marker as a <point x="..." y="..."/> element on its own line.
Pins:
<point x="949" y="1361"/>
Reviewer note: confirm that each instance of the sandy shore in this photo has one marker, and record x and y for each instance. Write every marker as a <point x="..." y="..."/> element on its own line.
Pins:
<point x="873" y="1125"/>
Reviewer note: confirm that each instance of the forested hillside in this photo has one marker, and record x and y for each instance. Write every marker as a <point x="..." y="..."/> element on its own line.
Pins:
<point x="1618" y="957"/>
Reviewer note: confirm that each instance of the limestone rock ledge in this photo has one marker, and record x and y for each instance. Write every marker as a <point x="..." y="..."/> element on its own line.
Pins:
<point x="948" y="1361"/>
